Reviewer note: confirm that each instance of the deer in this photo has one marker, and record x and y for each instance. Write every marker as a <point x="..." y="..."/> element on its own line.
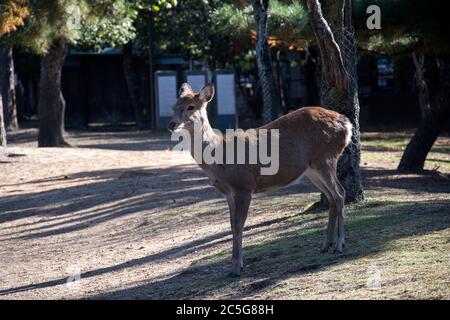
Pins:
<point x="311" y="140"/>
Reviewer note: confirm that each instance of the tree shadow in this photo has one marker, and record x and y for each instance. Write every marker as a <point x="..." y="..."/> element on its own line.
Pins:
<point x="177" y="251"/>
<point x="427" y="181"/>
<point x="370" y="228"/>
<point x="124" y="140"/>
<point x="114" y="193"/>
<point x="293" y="253"/>
<point x="120" y="139"/>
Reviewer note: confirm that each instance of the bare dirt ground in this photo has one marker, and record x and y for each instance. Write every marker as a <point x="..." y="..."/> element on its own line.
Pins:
<point x="120" y="217"/>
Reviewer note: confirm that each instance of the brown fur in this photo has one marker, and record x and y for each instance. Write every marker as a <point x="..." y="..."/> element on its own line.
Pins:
<point x="311" y="140"/>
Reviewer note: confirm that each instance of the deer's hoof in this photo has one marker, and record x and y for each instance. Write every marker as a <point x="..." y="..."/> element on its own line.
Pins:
<point x="233" y="275"/>
<point x="326" y="247"/>
<point x="340" y="245"/>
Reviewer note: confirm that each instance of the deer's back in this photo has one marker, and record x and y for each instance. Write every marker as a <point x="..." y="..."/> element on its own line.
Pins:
<point x="307" y="138"/>
<point x="311" y="129"/>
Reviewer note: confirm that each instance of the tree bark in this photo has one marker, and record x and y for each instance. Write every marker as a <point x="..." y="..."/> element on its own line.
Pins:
<point x="2" y="124"/>
<point x="8" y="89"/>
<point x="151" y="98"/>
<point x="4" y="84"/>
<point x="13" y="123"/>
<point x="51" y="105"/>
<point x="435" y="120"/>
<point x="421" y="85"/>
<point x="270" y="92"/>
<point x="131" y="71"/>
<point x="339" y="86"/>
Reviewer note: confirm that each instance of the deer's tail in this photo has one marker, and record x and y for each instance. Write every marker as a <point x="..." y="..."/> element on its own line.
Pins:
<point x="348" y="130"/>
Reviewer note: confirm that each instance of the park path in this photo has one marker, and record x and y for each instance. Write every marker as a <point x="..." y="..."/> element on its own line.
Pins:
<point x="114" y="212"/>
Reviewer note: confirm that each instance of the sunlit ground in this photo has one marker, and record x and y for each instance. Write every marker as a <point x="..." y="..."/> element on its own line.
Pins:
<point x="121" y="217"/>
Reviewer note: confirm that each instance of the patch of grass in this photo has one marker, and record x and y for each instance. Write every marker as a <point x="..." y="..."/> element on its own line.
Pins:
<point x="404" y="244"/>
<point x="390" y="148"/>
<point x="387" y="143"/>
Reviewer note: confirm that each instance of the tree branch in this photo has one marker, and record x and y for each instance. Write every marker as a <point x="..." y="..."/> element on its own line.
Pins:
<point x="330" y="53"/>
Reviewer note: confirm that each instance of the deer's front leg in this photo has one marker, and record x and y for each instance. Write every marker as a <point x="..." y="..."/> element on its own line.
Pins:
<point x="238" y="203"/>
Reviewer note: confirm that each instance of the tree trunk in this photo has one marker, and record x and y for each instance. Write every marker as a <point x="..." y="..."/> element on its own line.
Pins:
<point x="421" y="85"/>
<point x="13" y="123"/>
<point x="432" y="124"/>
<point x="131" y="71"/>
<point x="51" y="104"/>
<point x="270" y="92"/>
<point x="8" y="89"/>
<point x="4" y="84"/>
<point x="2" y="125"/>
<point x="339" y="87"/>
<point x="151" y="98"/>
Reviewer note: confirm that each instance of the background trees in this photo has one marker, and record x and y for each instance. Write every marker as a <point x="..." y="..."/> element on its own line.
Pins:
<point x="416" y="34"/>
<point x="50" y="27"/>
<point x="221" y="33"/>
<point x="339" y="86"/>
<point x="332" y="31"/>
<point x="12" y="15"/>
<point x="270" y="91"/>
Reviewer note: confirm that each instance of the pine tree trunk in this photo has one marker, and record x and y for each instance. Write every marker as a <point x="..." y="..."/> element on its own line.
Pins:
<point x="151" y="98"/>
<point x="132" y="78"/>
<point x="421" y="85"/>
<point x="2" y="125"/>
<point x="270" y="92"/>
<point x="13" y="123"/>
<point x="435" y="120"/>
<point x="4" y="84"/>
<point x="51" y="104"/>
<point x="339" y="86"/>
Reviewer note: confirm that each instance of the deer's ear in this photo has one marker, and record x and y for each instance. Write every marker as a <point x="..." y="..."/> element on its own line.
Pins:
<point x="185" y="90"/>
<point x="207" y="93"/>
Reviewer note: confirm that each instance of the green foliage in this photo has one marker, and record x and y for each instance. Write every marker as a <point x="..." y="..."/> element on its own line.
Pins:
<point x="184" y="27"/>
<point x="89" y="23"/>
<point x="155" y="5"/>
<point x="288" y="22"/>
<point x="113" y="28"/>
<point x="229" y="19"/>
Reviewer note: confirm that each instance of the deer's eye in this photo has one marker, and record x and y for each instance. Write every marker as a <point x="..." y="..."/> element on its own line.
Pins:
<point x="190" y="108"/>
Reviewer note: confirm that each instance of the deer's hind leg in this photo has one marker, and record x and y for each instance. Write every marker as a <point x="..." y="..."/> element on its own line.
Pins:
<point x="324" y="178"/>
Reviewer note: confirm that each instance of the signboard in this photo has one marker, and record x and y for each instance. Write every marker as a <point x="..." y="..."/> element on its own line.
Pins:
<point x="226" y="117"/>
<point x="197" y="79"/>
<point x="165" y="96"/>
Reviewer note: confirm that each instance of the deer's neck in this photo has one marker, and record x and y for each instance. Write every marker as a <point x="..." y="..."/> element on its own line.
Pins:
<point x="204" y="134"/>
<point x="207" y="133"/>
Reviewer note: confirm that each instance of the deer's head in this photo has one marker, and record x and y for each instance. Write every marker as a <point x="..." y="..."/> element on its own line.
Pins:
<point x="190" y="107"/>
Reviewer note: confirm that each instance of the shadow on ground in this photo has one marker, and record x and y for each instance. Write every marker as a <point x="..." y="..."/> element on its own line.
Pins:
<point x="369" y="230"/>
<point x="114" y="193"/>
<point x="371" y="226"/>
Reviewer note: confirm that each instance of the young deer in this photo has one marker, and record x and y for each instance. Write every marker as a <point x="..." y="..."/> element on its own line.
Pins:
<point x="311" y="140"/>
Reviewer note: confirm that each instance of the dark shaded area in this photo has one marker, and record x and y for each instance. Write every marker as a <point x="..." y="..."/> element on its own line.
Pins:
<point x="95" y="89"/>
<point x="149" y="188"/>
<point x="109" y="137"/>
<point x="428" y="181"/>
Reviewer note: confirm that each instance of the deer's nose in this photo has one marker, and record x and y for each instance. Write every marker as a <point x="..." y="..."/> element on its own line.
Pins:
<point x="171" y="125"/>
